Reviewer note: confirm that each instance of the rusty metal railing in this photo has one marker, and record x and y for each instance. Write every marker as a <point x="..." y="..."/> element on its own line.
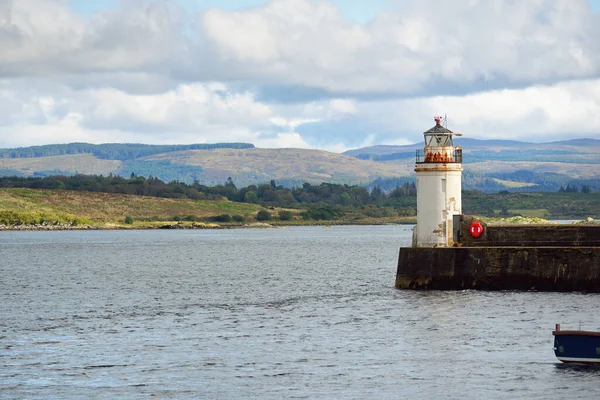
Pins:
<point x="439" y="157"/>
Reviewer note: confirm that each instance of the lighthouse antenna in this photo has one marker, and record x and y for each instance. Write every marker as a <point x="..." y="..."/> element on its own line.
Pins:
<point x="445" y="121"/>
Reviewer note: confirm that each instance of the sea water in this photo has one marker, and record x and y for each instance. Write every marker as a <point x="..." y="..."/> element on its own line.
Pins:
<point x="301" y="312"/>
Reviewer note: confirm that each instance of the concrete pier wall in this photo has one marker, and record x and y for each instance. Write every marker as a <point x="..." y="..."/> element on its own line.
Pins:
<point x="500" y="268"/>
<point x="548" y="257"/>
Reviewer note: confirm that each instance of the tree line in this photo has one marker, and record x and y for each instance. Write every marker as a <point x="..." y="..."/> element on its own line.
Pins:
<point x="574" y="189"/>
<point x="112" y="151"/>
<point x="494" y="182"/>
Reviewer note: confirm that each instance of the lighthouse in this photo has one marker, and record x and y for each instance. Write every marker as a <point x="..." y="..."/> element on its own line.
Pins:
<point x="454" y="251"/>
<point x="439" y="170"/>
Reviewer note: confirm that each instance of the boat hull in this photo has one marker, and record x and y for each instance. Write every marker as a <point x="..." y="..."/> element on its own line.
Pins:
<point x="581" y="347"/>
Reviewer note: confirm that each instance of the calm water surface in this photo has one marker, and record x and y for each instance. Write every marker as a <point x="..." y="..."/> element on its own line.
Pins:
<point x="307" y="312"/>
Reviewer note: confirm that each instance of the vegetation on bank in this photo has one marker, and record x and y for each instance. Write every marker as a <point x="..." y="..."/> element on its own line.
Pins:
<point x="99" y="209"/>
<point x="72" y="209"/>
<point x="311" y="202"/>
<point x="12" y="218"/>
<point x="85" y="200"/>
<point x="547" y="205"/>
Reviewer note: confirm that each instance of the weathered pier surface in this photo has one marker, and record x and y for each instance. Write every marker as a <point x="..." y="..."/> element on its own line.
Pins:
<point x="549" y="257"/>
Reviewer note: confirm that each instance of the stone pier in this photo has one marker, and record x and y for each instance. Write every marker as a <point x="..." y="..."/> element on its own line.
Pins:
<point x="546" y="257"/>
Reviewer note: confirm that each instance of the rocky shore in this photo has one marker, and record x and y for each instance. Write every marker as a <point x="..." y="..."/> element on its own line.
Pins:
<point x="49" y="227"/>
<point x="176" y="225"/>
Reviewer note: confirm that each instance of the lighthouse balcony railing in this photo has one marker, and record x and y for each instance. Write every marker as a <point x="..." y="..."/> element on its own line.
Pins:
<point x="437" y="157"/>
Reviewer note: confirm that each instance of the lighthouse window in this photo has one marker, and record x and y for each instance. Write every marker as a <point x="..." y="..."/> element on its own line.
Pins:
<point x="445" y="141"/>
<point x="443" y="185"/>
<point x="438" y="140"/>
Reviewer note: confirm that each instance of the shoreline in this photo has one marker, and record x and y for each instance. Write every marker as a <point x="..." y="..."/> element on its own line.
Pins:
<point x="187" y="226"/>
<point x="251" y="225"/>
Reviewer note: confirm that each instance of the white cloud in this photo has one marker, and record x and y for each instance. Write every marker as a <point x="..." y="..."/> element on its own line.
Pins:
<point x="190" y="113"/>
<point x="283" y="140"/>
<point x="342" y="106"/>
<point x="465" y="45"/>
<point x="471" y="44"/>
<point x="537" y="113"/>
<point x="149" y="73"/>
<point x="45" y="39"/>
<point x="190" y="107"/>
<point x="197" y="113"/>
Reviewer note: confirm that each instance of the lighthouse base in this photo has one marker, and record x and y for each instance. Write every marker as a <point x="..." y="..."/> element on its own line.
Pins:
<point x="560" y="269"/>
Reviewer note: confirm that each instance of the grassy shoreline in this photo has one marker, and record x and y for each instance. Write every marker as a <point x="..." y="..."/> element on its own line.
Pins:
<point x="42" y="209"/>
<point x="178" y="225"/>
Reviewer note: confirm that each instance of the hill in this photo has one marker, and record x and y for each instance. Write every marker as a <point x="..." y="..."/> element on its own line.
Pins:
<point x="111" y="151"/>
<point x="493" y="165"/>
<point x="576" y="151"/>
<point x="490" y="165"/>
<point x="246" y="165"/>
<point x="249" y="166"/>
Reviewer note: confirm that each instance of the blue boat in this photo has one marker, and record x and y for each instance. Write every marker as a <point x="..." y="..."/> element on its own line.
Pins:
<point x="579" y="346"/>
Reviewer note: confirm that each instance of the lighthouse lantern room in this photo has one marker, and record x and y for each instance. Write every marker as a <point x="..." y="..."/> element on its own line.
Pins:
<point x="439" y="169"/>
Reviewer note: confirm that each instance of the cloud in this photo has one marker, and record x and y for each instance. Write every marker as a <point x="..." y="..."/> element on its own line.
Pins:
<point x="295" y="73"/>
<point x="414" y="48"/>
<point x="537" y="113"/>
<point x="190" y="113"/>
<point x="212" y="112"/>
<point x="463" y="45"/>
<point x="43" y="38"/>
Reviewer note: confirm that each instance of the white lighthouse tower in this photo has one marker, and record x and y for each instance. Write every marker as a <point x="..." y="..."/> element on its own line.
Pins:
<point x="439" y="171"/>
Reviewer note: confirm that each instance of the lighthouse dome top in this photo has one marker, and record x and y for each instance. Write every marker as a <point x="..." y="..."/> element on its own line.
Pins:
<point x="438" y="128"/>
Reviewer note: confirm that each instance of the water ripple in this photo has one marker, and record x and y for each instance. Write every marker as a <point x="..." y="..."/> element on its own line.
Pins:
<point x="295" y="313"/>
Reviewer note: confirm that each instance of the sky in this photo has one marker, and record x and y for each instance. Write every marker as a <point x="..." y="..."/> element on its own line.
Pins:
<point x="319" y="74"/>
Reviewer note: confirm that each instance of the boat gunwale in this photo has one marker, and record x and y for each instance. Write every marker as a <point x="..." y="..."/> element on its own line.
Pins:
<point x="575" y="333"/>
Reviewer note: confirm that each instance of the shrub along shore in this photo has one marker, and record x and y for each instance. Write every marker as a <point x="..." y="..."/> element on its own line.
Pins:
<point x="191" y="225"/>
<point x="43" y="209"/>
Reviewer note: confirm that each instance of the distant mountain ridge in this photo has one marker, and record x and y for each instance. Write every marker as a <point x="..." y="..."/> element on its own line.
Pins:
<point x="495" y="165"/>
<point x="469" y="144"/>
<point x="574" y="151"/>
<point x="490" y="165"/>
<point x="112" y="151"/>
<point x="207" y="163"/>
